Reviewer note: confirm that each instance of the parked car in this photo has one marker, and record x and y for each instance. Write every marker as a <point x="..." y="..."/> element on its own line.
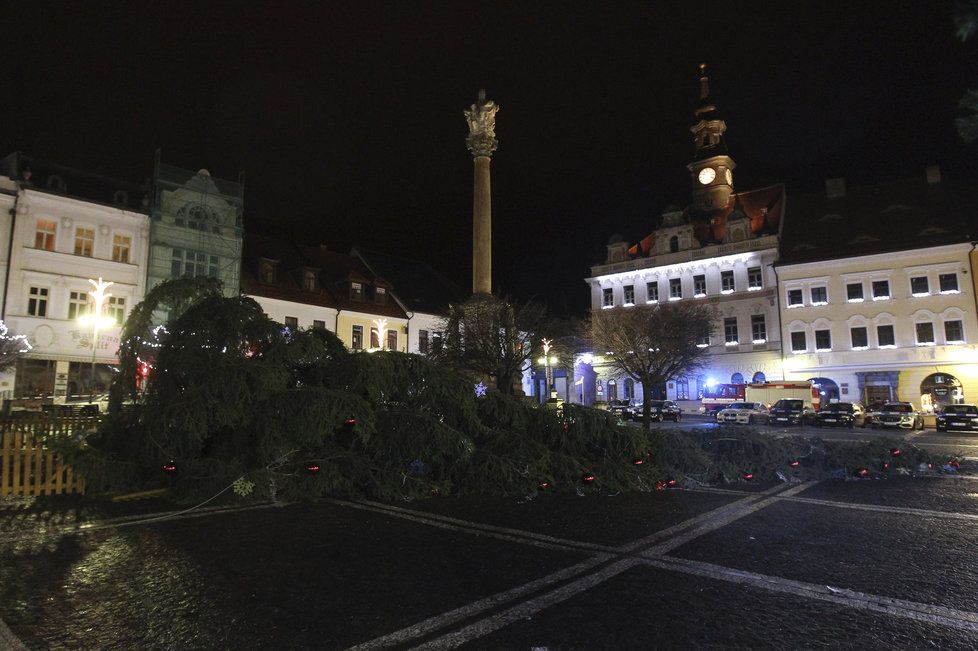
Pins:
<point x="743" y="413"/>
<point x="841" y="414"/>
<point x="791" y="412"/>
<point x="898" y="415"/>
<point x="621" y="408"/>
<point x="958" y="418"/>
<point x="659" y="410"/>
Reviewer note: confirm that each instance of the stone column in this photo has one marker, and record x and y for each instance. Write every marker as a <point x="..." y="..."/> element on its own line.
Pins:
<point x="481" y="143"/>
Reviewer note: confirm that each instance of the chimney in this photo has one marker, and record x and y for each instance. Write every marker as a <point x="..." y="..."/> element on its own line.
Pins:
<point x="835" y="188"/>
<point x="933" y="174"/>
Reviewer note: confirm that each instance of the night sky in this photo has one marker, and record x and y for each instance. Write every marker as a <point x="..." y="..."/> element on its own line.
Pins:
<point x="347" y="118"/>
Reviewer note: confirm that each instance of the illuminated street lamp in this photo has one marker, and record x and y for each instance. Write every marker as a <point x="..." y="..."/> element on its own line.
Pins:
<point x="96" y="319"/>
<point x="548" y="362"/>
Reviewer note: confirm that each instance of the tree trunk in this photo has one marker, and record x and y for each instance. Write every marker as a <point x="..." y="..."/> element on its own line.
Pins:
<point x="646" y="407"/>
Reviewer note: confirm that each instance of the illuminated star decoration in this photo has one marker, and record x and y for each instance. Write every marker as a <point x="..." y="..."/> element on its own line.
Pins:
<point x="480" y="390"/>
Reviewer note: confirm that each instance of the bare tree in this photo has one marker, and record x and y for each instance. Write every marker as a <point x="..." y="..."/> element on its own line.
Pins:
<point x="653" y="343"/>
<point x="12" y="347"/>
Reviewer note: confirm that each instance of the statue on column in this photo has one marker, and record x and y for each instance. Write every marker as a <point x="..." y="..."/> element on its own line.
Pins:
<point x="482" y="126"/>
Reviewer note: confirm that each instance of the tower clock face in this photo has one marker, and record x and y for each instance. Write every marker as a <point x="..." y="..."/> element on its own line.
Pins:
<point x="707" y="174"/>
<point x="729" y="176"/>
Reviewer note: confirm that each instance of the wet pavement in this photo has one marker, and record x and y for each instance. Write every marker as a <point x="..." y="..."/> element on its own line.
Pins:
<point x="875" y="563"/>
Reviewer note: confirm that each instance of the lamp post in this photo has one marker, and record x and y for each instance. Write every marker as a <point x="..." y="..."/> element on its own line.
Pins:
<point x="548" y="361"/>
<point x="96" y="319"/>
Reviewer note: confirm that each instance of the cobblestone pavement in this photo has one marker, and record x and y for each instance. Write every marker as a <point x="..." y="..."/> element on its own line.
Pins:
<point x="878" y="563"/>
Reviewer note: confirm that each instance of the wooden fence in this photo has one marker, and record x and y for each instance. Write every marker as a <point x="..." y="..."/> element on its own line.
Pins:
<point x="28" y="466"/>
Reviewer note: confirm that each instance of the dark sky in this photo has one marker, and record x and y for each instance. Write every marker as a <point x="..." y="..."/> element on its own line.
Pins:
<point x="347" y="117"/>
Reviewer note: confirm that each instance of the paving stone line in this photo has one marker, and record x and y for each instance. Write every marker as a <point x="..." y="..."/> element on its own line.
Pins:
<point x="930" y="613"/>
<point x="908" y="510"/>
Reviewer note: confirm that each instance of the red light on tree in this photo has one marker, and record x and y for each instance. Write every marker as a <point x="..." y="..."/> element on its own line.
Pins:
<point x="748" y="476"/>
<point x="566" y="427"/>
<point x="587" y="479"/>
<point x="954" y="463"/>
<point x="660" y="485"/>
<point x="671" y="482"/>
<point x="170" y="468"/>
<point x="862" y="472"/>
<point x="795" y="463"/>
<point x="350" y="421"/>
<point x="895" y="452"/>
<point x="886" y="466"/>
<point x="544" y="485"/>
<point x="638" y="462"/>
<point x="312" y="468"/>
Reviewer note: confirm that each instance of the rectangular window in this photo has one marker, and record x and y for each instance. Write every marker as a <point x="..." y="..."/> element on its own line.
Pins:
<point x="954" y="332"/>
<point x="309" y="281"/>
<point x="794" y="298"/>
<point x="823" y="340"/>
<point x="356" y="342"/>
<point x="799" y="342"/>
<point x="292" y="322"/>
<point x="356" y="291"/>
<point x="860" y="338"/>
<point x="116" y="308"/>
<point x="885" y="336"/>
<point x="675" y="289"/>
<point x="380" y="295"/>
<point x="726" y="282"/>
<point x="704" y="342"/>
<point x="44" y="235"/>
<point x="318" y="325"/>
<point x="193" y="264"/>
<point x="881" y="290"/>
<point x="699" y="286"/>
<point x="820" y="296"/>
<point x="758" y="329"/>
<point x="653" y="292"/>
<point x="919" y="286"/>
<point x="436" y="342"/>
<point x="607" y="297"/>
<point x="629" y="294"/>
<point x="925" y="333"/>
<point x="423" y="341"/>
<point x="392" y="339"/>
<point x="37" y="301"/>
<point x="949" y="283"/>
<point x="730" y="331"/>
<point x="84" y="241"/>
<point x="854" y="292"/>
<point x="79" y="304"/>
<point x="120" y="248"/>
<point x="755" y="280"/>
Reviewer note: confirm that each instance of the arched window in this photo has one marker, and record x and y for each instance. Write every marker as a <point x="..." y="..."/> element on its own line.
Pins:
<point x="758" y="378"/>
<point x="737" y="378"/>
<point x="674" y="244"/>
<point x="939" y="389"/>
<point x="827" y="389"/>
<point x="612" y="390"/>
<point x="629" y="389"/>
<point x="682" y="388"/>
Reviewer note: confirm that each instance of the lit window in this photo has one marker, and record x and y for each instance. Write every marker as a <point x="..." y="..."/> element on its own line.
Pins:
<point x="949" y="283"/>
<point x="726" y="282"/>
<point x="799" y="342"/>
<point x="193" y="264"/>
<point x="607" y="297"/>
<point x="854" y="292"/>
<point x="794" y="298"/>
<point x="653" y="292"/>
<point x="823" y="340"/>
<point x="919" y="286"/>
<point x="84" y="241"/>
<point x="392" y="339"/>
<point x="629" y="294"/>
<point x="885" y="336"/>
<point x="79" y="304"/>
<point x="755" y="279"/>
<point x="820" y="296"/>
<point x="318" y="325"/>
<point x="675" y="289"/>
<point x="356" y="342"/>
<point x="730" y="336"/>
<point x="860" y="338"/>
<point x="292" y="323"/>
<point x="881" y="290"/>
<point x="954" y="332"/>
<point x="37" y="301"/>
<point x="703" y="342"/>
<point x="116" y="308"/>
<point x="380" y="295"/>
<point x="925" y="333"/>
<point x="120" y="247"/>
<point x="699" y="286"/>
<point x="44" y="235"/>
<point x="356" y="291"/>
<point x="758" y="329"/>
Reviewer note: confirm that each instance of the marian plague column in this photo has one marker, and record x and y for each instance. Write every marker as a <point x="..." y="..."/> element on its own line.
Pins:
<point x="481" y="143"/>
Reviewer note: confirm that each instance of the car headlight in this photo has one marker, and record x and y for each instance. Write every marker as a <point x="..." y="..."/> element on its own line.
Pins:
<point x="974" y="421"/>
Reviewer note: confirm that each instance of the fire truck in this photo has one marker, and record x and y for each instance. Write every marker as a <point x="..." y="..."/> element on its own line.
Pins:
<point x="718" y="396"/>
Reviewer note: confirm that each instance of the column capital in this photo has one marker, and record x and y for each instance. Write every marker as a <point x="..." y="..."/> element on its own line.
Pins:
<point x="481" y="118"/>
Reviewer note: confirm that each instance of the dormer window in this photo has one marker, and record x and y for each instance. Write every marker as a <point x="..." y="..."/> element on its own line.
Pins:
<point x="309" y="280"/>
<point x="380" y="295"/>
<point x="356" y="291"/>
<point x="267" y="271"/>
<point x="674" y="244"/>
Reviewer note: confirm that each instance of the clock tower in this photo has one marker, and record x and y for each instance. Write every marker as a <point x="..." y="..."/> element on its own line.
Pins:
<point x="711" y="169"/>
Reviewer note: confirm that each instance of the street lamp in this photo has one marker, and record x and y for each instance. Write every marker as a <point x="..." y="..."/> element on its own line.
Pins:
<point x="96" y="319"/>
<point x="548" y="362"/>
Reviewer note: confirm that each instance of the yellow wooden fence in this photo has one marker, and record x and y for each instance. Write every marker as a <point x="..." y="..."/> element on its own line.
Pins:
<point x="28" y="466"/>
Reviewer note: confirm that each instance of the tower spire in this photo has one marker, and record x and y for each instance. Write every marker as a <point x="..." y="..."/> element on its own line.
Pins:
<point x="712" y="168"/>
